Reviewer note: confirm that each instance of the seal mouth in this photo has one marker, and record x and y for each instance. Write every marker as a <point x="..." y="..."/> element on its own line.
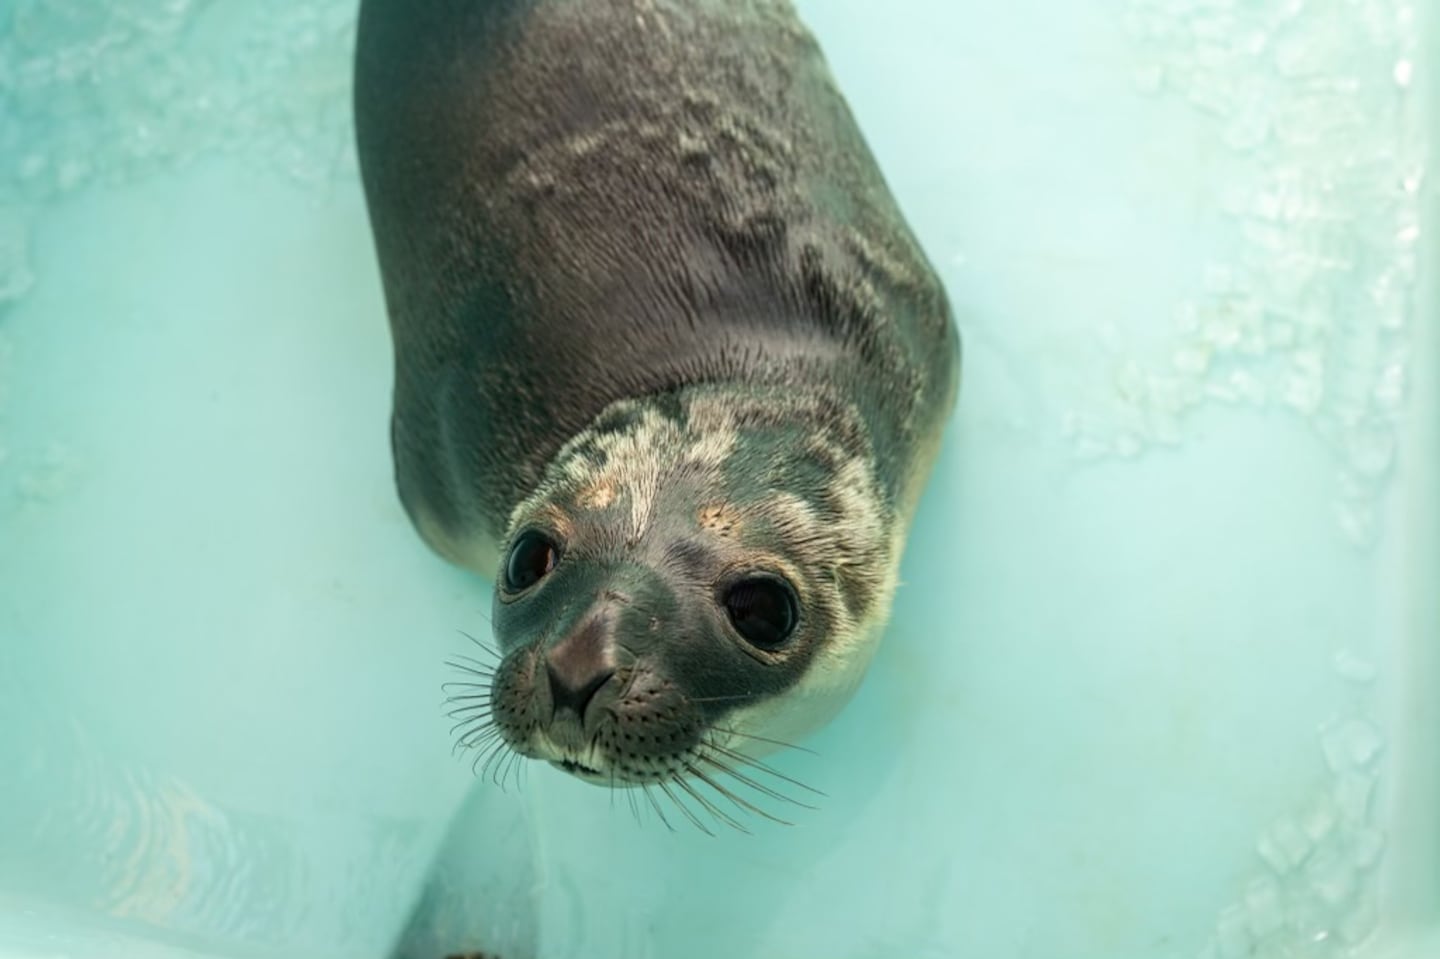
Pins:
<point x="571" y="766"/>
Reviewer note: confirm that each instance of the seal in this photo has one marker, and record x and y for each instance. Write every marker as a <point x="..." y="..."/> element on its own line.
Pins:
<point x="669" y="365"/>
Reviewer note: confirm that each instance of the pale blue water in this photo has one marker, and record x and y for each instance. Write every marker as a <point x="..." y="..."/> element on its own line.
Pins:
<point x="1162" y="678"/>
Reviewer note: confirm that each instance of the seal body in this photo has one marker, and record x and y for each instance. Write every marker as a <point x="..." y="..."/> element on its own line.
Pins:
<point x="668" y="362"/>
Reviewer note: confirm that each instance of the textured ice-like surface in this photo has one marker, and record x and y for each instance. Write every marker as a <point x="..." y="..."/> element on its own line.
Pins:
<point x="1155" y="673"/>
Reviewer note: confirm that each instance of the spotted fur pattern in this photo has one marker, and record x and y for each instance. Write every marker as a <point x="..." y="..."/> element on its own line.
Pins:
<point x="788" y="477"/>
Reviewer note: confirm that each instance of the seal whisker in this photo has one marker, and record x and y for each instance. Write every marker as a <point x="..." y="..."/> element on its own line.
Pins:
<point x="474" y="738"/>
<point x="502" y="771"/>
<point x="482" y="706"/>
<point x="714" y="810"/>
<point x="774" y="793"/>
<point x="506" y="768"/>
<point x="689" y="813"/>
<point x="472" y="666"/>
<point x="467" y="687"/>
<point x="759" y="787"/>
<point x="480" y="642"/>
<point x="729" y="730"/>
<point x="474" y="711"/>
<point x="484" y="693"/>
<point x="739" y="801"/>
<point x="470" y="714"/>
<point x="479" y="737"/>
<point x="476" y="722"/>
<point x="756" y="764"/>
<point x="479" y="768"/>
<point x="656" y="806"/>
<point x="738" y="697"/>
<point x="483" y="677"/>
<point x="494" y="757"/>
<point x="634" y="806"/>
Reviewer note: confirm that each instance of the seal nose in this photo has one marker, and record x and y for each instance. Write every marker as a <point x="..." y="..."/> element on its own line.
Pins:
<point x="565" y="695"/>
<point x="580" y="665"/>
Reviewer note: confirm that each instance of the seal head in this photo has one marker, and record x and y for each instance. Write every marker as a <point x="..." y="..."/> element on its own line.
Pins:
<point x="688" y="563"/>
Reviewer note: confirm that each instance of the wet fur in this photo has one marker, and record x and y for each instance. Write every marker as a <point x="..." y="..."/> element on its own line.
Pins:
<point x="579" y="203"/>
<point x="648" y="291"/>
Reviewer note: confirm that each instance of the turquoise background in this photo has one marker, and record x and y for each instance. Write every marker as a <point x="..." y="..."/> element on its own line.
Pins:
<point x="1162" y="676"/>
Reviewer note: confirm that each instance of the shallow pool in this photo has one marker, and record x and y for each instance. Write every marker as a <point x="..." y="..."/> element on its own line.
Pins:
<point x="1163" y="678"/>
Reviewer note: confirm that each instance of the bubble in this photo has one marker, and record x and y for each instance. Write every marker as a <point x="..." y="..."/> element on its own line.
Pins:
<point x="1350" y="743"/>
<point x="1357" y="522"/>
<point x="1330" y="877"/>
<point x="1303" y="391"/>
<point x="1284" y="846"/>
<point x="1264" y="907"/>
<point x="1390" y="386"/>
<point x="1352" y="667"/>
<point x="1319" y="819"/>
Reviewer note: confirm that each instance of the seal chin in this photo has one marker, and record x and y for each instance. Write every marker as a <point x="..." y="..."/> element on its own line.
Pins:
<point x="576" y="769"/>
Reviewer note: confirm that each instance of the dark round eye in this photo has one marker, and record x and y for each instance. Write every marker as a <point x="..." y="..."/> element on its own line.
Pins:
<point x="763" y="610"/>
<point x="532" y="556"/>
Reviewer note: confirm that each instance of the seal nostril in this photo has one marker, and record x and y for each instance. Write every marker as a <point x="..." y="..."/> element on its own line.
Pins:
<point x="575" y="698"/>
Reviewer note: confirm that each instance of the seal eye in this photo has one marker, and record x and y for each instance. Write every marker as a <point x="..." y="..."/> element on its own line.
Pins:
<point x="531" y="557"/>
<point x="762" y="609"/>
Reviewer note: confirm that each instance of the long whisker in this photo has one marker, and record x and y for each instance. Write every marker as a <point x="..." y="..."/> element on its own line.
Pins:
<point x="634" y="806"/>
<point x="478" y="737"/>
<point x="468" y="664"/>
<point x="754" y="784"/>
<point x="756" y="764"/>
<point x="471" y="711"/>
<point x="715" y="811"/>
<point x="739" y="801"/>
<point x="738" y="697"/>
<point x="483" y="694"/>
<point x="656" y="806"/>
<point x="522" y="768"/>
<point x="508" y="768"/>
<point x="479" y="642"/>
<point x="494" y="756"/>
<point x="761" y="739"/>
<point x="689" y="814"/>
<point x="480" y="767"/>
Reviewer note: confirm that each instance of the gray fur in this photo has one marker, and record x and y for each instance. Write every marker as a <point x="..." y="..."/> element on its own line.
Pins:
<point x="649" y="294"/>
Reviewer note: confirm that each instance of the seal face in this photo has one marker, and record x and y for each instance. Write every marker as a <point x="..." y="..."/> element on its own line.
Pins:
<point x="685" y="568"/>
<point x="669" y="365"/>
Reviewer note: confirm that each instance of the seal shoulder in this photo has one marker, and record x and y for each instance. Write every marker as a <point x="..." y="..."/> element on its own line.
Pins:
<point x="577" y="203"/>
